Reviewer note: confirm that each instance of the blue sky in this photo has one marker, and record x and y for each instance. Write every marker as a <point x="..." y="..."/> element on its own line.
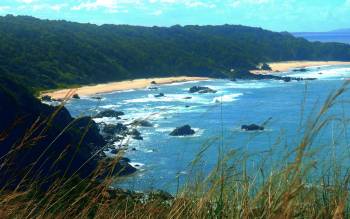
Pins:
<point x="277" y="15"/>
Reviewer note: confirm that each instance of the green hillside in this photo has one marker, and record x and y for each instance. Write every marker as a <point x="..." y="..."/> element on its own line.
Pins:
<point x="47" y="54"/>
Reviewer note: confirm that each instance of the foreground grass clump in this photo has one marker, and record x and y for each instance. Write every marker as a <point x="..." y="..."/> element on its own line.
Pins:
<point x="297" y="186"/>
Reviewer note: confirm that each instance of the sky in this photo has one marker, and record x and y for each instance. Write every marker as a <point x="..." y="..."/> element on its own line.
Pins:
<point x="276" y="15"/>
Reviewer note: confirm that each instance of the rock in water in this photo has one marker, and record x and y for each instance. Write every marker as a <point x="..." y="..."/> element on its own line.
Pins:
<point x="183" y="131"/>
<point x="46" y="98"/>
<point x="159" y="95"/>
<point x="252" y="127"/>
<point x="301" y="70"/>
<point x="201" y="90"/>
<point x="153" y="88"/>
<point x="119" y="129"/>
<point x="109" y="113"/>
<point x="136" y="135"/>
<point x="142" y="123"/>
<point x="75" y="96"/>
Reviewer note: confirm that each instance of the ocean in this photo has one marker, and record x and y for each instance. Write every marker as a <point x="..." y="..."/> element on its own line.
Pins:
<point x="165" y="162"/>
<point x="340" y="37"/>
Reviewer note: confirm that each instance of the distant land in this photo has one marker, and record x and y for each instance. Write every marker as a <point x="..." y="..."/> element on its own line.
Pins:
<point x="339" y="36"/>
<point x="45" y="54"/>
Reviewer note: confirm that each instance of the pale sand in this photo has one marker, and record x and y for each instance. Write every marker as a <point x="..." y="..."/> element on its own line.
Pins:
<point x="119" y="86"/>
<point x="285" y="66"/>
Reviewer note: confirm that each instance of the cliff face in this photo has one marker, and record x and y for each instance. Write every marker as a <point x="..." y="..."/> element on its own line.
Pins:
<point x="39" y="141"/>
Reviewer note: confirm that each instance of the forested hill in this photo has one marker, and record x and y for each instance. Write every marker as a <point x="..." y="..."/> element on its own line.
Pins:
<point x="49" y="54"/>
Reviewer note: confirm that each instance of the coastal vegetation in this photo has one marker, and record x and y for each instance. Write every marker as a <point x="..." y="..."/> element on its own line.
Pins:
<point x="46" y="54"/>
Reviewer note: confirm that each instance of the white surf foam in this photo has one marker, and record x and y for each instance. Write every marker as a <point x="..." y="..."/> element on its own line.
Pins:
<point x="227" y="98"/>
<point x="110" y="106"/>
<point x="137" y="165"/>
<point x="107" y="120"/>
<point x="168" y="98"/>
<point x="252" y="84"/>
<point x="324" y="74"/>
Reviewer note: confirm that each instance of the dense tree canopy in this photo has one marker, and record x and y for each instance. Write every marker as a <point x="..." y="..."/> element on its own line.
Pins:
<point x="49" y="54"/>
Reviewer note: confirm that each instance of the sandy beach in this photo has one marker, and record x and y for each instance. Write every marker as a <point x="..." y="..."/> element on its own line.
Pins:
<point x="119" y="86"/>
<point x="285" y="66"/>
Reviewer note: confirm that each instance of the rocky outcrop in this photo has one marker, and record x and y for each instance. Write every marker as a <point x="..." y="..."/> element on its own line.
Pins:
<point x="135" y="134"/>
<point x="121" y="168"/>
<point x="247" y="75"/>
<point x="142" y="123"/>
<point x="58" y="145"/>
<point x="183" y="131"/>
<point x="76" y="96"/>
<point x="201" y="90"/>
<point x="252" y="127"/>
<point x="301" y="70"/>
<point x="159" y="95"/>
<point x="109" y="113"/>
<point x="46" y="98"/>
<point x="118" y="129"/>
<point x="152" y="88"/>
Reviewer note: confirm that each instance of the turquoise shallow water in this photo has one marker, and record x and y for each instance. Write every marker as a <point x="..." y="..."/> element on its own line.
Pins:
<point x="218" y="116"/>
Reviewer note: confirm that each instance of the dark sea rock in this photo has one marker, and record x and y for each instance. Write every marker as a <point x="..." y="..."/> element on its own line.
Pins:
<point x="114" y="151"/>
<point x="153" y="82"/>
<point x="187" y="98"/>
<point x="301" y="70"/>
<point x="201" y="90"/>
<point x="118" y="129"/>
<point x="286" y="79"/>
<point x="252" y="127"/>
<point x="159" y="95"/>
<point x="153" y="88"/>
<point x="109" y="113"/>
<point x="183" y="131"/>
<point x="96" y="98"/>
<point x="265" y="67"/>
<point x="76" y="96"/>
<point x="135" y="134"/>
<point x="247" y="75"/>
<point x="121" y="168"/>
<point x="142" y="123"/>
<point x="125" y="159"/>
<point x="46" y="98"/>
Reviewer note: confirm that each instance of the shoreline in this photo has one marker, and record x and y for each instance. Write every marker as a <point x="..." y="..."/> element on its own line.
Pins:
<point x="118" y="86"/>
<point x="286" y="66"/>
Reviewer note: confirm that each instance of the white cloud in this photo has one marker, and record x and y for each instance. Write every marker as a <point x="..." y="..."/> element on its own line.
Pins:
<point x="157" y="13"/>
<point x="26" y="1"/>
<point x="195" y="4"/>
<point x="4" y="8"/>
<point x="117" y="4"/>
<point x="58" y="7"/>
<point x="238" y="3"/>
<point x="112" y="5"/>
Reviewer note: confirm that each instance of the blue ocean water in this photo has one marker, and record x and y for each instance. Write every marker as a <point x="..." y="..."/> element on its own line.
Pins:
<point x="339" y="37"/>
<point x="216" y="118"/>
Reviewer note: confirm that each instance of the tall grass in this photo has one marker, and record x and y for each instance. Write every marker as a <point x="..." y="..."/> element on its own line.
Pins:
<point x="298" y="186"/>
